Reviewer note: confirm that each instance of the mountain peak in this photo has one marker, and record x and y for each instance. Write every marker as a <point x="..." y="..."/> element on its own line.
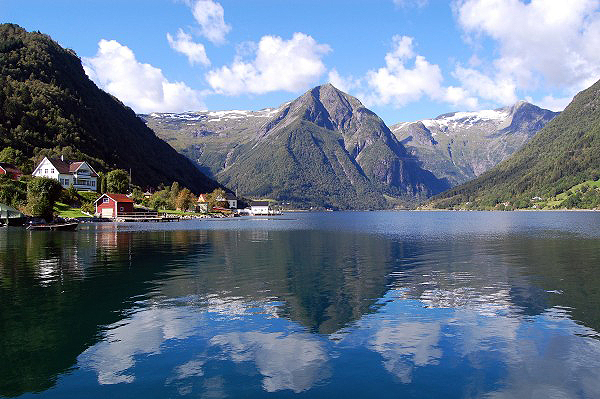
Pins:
<point x="324" y="105"/>
<point x="327" y="86"/>
<point x="517" y="106"/>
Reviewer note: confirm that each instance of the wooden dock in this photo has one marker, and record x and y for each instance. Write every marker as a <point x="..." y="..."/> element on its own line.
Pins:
<point x="146" y="217"/>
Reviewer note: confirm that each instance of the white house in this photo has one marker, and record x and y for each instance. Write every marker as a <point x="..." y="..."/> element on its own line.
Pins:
<point x="231" y="200"/>
<point x="79" y="174"/>
<point x="259" y="208"/>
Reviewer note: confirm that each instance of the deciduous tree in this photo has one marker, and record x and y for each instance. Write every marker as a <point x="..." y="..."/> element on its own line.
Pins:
<point x="42" y="193"/>
<point x="117" y="181"/>
<point x="185" y="200"/>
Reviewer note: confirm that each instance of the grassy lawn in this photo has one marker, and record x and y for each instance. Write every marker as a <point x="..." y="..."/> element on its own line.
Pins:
<point x="555" y="202"/>
<point x="65" y="211"/>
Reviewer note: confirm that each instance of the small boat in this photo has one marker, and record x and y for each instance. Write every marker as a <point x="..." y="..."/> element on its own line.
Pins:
<point x="71" y="226"/>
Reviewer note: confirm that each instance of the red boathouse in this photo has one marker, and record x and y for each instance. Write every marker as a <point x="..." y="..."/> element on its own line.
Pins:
<point x="113" y="205"/>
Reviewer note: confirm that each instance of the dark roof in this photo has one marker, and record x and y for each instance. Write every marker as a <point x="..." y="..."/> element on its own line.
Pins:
<point x="60" y="165"/>
<point x="116" y="197"/>
<point x="259" y="203"/>
<point x="10" y="168"/>
<point x="68" y="167"/>
<point x="230" y="196"/>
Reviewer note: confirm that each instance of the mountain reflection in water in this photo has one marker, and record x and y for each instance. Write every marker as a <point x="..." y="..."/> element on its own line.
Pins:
<point x="316" y="307"/>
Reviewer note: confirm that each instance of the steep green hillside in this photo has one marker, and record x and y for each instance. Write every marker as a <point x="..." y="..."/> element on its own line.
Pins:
<point x="564" y="153"/>
<point x="49" y="106"/>
<point x="304" y="165"/>
<point x="584" y="195"/>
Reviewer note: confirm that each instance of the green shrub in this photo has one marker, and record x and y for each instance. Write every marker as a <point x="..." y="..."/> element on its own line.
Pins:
<point x="42" y="193"/>
<point x="12" y="193"/>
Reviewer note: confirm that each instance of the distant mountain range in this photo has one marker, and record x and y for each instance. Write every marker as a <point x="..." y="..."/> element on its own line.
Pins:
<point x="563" y="154"/>
<point x="49" y="106"/>
<point x="462" y="145"/>
<point x="324" y="149"/>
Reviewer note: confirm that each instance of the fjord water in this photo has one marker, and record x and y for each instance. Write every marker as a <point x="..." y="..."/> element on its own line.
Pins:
<point x="314" y="305"/>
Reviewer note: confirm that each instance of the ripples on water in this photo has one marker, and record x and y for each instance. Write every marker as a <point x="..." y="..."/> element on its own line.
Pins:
<point x="358" y="304"/>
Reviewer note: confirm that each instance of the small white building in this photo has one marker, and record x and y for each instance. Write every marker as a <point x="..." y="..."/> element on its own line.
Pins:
<point x="79" y="174"/>
<point x="231" y="200"/>
<point x="259" y="208"/>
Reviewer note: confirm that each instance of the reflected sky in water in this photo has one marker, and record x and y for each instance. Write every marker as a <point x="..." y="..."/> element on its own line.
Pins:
<point x="342" y="304"/>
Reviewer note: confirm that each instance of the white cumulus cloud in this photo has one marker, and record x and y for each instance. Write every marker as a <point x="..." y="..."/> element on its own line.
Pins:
<point x="344" y="83"/>
<point x="183" y="43"/>
<point x="501" y="90"/>
<point x="548" y="44"/>
<point x="141" y="86"/>
<point x="211" y="18"/>
<point x="406" y="76"/>
<point x="552" y="103"/>
<point x="279" y="64"/>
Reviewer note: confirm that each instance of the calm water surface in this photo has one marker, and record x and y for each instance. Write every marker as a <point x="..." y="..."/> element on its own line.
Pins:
<point x="319" y="305"/>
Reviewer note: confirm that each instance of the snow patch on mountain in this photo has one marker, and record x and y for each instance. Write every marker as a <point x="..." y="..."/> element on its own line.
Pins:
<point x="215" y="116"/>
<point x="467" y="119"/>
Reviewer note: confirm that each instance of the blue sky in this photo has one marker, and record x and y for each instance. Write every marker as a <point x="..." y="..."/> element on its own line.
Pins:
<point x="404" y="59"/>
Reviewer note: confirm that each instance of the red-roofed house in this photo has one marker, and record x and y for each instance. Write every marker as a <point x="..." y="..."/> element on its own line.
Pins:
<point x="10" y="170"/>
<point x="79" y="174"/>
<point x="113" y="205"/>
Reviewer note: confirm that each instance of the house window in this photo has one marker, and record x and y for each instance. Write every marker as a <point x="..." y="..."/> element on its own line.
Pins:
<point x="45" y="171"/>
<point x="93" y="183"/>
<point x="105" y="200"/>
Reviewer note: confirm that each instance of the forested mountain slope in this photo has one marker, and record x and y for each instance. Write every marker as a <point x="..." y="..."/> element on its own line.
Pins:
<point x="48" y="105"/>
<point x="562" y="154"/>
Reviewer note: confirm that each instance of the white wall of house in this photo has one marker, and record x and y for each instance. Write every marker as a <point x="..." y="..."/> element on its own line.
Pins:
<point x="232" y="204"/>
<point x="259" y="210"/>
<point x="46" y="169"/>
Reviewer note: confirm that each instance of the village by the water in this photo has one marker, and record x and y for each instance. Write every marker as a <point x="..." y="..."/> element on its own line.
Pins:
<point x="72" y="192"/>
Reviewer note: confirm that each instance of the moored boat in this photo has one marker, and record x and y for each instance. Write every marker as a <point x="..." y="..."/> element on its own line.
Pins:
<point x="71" y="226"/>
